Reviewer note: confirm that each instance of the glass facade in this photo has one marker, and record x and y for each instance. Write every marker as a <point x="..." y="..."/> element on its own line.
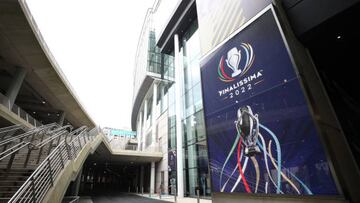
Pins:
<point x="161" y="67"/>
<point x="196" y="171"/>
<point x="154" y="55"/>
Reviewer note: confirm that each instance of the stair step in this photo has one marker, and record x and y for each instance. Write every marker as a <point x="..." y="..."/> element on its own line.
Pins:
<point x="13" y="178"/>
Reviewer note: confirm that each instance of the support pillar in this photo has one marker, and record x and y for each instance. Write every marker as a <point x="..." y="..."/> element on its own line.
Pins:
<point x="178" y="106"/>
<point x="152" y="178"/>
<point x="61" y="118"/>
<point x="162" y="98"/>
<point x="153" y="116"/>
<point x="144" y="124"/>
<point x="139" y="132"/>
<point x="77" y="183"/>
<point x="142" y="178"/>
<point x="14" y="87"/>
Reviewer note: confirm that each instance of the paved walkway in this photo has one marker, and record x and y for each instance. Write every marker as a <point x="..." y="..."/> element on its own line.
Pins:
<point x="138" y="198"/>
<point x="170" y="198"/>
<point x="126" y="198"/>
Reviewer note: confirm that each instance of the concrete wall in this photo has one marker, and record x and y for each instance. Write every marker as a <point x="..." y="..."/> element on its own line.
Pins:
<point x="70" y="172"/>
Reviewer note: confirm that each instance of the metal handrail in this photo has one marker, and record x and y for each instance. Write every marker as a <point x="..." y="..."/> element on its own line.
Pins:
<point x="26" y="139"/>
<point x="40" y="129"/>
<point x="11" y="128"/>
<point x="42" y="179"/>
<point x="58" y="133"/>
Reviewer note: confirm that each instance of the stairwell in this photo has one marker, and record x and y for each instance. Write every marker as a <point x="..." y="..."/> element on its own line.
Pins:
<point x="31" y="159"/>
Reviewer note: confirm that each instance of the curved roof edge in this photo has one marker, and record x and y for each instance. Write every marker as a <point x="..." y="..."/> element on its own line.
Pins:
<point x="145" y="86"/>
<point x="52" y="60"/>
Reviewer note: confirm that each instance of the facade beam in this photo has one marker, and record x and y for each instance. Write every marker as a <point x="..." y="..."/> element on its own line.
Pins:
<point x="139" y="132"/>
<point x="178" y="106"/>
<point x="144" y="125"/>
<point x="153" y="116"/>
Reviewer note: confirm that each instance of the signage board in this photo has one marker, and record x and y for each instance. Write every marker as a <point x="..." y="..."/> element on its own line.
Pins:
<point x="261" y="135"/>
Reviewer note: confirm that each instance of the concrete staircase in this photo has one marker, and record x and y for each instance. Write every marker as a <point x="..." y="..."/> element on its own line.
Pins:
<point x="11" y="180"/>
<point x="30" y="149"/>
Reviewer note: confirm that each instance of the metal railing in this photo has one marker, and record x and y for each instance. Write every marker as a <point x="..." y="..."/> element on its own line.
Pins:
<point x="12" y="144"/>
<point x="10" y="131"/>
<point x="42" y="179"/>
<point x="35" y="138"/>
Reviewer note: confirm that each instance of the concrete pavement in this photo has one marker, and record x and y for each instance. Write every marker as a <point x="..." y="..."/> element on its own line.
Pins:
<point x="128" y="198"/>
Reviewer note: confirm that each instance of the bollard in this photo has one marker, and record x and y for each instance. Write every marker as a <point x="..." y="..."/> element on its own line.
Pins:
<point x="137" y="190"/>
<point x="160" y="194"/>
<point x="142" y="191"/>
<point x="198" y="195"/>
<point x="175" y="195"/>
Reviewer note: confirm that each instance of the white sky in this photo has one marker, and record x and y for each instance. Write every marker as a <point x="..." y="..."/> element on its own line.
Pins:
<point x="94" y="42"/>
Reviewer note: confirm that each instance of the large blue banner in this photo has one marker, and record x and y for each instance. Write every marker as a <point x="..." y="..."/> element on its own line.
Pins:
<point x="260" y="133"/>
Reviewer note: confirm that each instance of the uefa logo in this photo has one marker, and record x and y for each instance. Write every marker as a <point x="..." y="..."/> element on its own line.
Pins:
<point x="237" y="63"/>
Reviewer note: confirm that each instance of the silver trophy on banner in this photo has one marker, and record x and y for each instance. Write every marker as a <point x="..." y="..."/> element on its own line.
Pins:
<point x="233" y="61"/>
<point x="247" y="125"/>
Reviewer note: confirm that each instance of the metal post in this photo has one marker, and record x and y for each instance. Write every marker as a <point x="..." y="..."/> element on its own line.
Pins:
<point x="61" y="158"/>
<point x="175" y="195"/>
<point x="33" y="189"/>
<point x="50" y="172"/>
<point x="84" y="138"/>
<point x="79" y="141"/>
<point x="74" y="150"/>
<point x="198" y="195"/>
<point x="68" y="151"/>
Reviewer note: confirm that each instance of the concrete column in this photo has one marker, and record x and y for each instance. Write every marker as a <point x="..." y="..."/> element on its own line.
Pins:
<point x="61" y="118"/>
<point x="152" y="178"/>
<point x="144" y="124"/>
<point x="77" y="183"/>
<point x="178" y="106"/>
<point x="15" y="86"/>
<point x="162" y="97"/>
<point x="139" y="132"/>
<point x="153" y="116"/>
<point x="142" y="178"/>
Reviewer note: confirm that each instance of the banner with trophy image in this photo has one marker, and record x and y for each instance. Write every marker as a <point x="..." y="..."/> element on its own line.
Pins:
<point x="260" y="132"/>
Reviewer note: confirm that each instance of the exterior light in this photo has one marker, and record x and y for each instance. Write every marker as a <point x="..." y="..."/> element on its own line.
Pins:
<point x="34" y="112"/>
<point x="338" y="37"/>
<point x="43" y="102"/>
